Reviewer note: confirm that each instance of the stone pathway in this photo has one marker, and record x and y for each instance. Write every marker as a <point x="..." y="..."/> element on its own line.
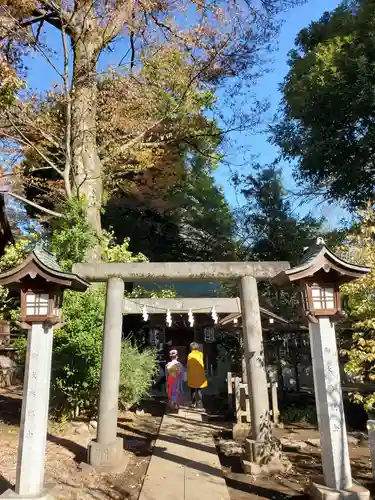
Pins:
<point x="184" y="464"/>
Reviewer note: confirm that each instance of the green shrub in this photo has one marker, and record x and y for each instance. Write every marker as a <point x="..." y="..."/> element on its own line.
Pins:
<point x="12" y="257"/>
<point x="138" y="369"/>
<point x="76" y="360"/>
<point x="72" y="236"/>
<point x="77" y="351"/>
<point x="298" y="413"/>
<point x="77" y="347"/>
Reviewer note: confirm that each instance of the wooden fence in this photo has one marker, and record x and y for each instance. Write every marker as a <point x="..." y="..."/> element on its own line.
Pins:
<point x="238" y="400"/>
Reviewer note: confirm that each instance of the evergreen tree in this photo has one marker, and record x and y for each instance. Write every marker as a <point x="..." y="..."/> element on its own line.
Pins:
<point x="270" y="228"/>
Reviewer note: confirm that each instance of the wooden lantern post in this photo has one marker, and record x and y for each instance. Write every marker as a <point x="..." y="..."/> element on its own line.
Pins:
<point x="40" y="282"/>
<point x="319" y="276"/>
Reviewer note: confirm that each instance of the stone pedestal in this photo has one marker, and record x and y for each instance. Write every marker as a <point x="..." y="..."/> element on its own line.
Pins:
<point x="106" y="451"/>
<point x="256" y="369"/>
<point x="264" y="458"/>
<point x="107" y="457"/>
<point x="34" y="416"/>
<point x="355" y="492"/>
<point x="46" y="494"/>
<point x="330" y="412"/>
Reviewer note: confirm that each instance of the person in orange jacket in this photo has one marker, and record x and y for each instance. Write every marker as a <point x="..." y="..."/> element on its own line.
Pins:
<point x="196" y="376"/>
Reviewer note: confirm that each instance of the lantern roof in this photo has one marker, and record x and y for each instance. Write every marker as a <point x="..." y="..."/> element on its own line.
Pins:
<point x="320" y="258"/>
<point x="47" y="258"/>
<point x="42" y="264"/>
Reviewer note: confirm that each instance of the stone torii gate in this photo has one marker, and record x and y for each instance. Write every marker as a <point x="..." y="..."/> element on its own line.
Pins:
<point x="105" y="452"/>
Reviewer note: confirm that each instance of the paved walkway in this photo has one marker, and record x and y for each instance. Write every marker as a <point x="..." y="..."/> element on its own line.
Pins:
<point x="184" y="464"/>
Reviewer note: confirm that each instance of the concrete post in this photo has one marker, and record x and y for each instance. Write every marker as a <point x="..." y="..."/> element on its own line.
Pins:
<point x="256" y="370"/>
<point x="237" y="399"/>
<point x="107" y="450"/>
<point x="275" y="404"/>
<point x="272" y="376"/>
<point x="34" y="416"/>
<point x="243" y="363"/>
<point x="329" y="405"/>
<point x="244" y="370"/>
<point x="230" y="390"/>
<point x="371" y="441"/>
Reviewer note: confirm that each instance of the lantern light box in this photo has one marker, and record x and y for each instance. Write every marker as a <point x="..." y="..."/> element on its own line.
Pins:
<point x="320" y="299"/>
<point x="41" y="306"/>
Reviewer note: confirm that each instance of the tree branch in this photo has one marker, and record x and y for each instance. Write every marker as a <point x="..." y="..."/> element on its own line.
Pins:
<point x="31" y="39"/>
<point x="26" y="141"/>
<point x="132" y="46"/>
<point x="117" y="18"/>
<point x="137" y="138"/>
<point x="53" y="15"/>
<point x="35" y="205"/>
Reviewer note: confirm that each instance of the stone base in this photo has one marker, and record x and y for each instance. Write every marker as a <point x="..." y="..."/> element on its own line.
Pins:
<point x="46" y="494"/>
<point x="107" y="457"/>
<point x="273" y="466"/>
<point x="276" y="464"/>
<point x="260" y="452"/>
<point x="264" y="458"/>
<point x="241" y="431"/>
<point x="356" y="492"/>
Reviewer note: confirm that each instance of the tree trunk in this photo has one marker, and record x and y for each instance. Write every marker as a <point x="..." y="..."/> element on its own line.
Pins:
<point x="87" y="166"/>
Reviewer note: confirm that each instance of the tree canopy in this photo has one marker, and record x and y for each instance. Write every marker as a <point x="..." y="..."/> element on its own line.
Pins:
<point x="328" y="105"/>
<point x="270" y="229"/>
<point x="359" y="248"/>
<point x="191" y="221"/>
<point x="147" y="122"/>
<point x="219" y="43"/>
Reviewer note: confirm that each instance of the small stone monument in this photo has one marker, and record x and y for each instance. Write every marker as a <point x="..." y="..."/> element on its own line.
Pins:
<point x="41" y="283"/>
<point x="320" y="275"/>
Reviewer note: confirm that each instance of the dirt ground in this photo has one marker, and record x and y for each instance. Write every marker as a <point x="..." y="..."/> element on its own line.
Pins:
<point x="306" y="467"/>
<point x="66" y="449"/>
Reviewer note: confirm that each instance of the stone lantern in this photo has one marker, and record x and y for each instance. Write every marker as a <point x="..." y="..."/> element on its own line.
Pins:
<point x="319" y="276"/>
<point x="41" y="283"/>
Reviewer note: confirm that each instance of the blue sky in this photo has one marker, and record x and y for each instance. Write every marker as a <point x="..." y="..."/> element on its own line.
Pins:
<point x="42" y="77"/>
<point x="268" y="88"/>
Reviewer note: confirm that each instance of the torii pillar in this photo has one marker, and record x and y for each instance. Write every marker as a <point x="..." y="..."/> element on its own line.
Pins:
<point x="259" y="444"/>
<point x="106" y="452"/>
